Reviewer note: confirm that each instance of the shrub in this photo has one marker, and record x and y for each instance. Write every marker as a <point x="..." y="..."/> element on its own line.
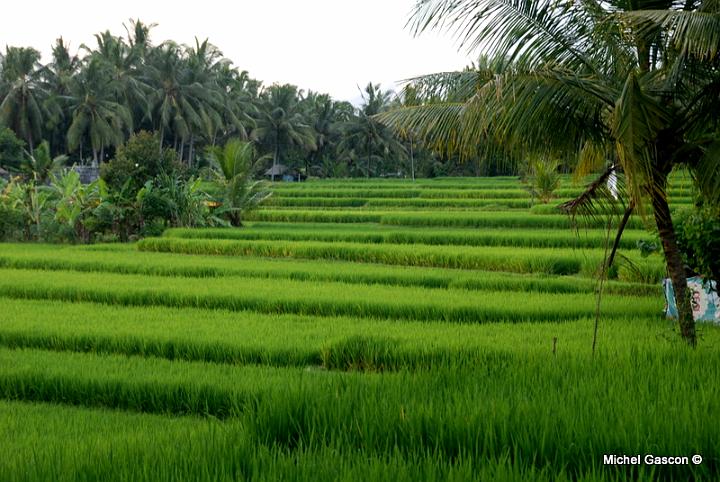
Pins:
<point x="137" y="161"/>
<point x="698" y="233"/>
<point x="11" y="150"/>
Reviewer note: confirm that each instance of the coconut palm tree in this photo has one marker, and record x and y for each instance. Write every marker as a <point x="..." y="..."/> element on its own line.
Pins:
<point x="281" y="123"/>
<point x="58" y="80"/>
<point x="180" y="103"/>
<point x="367" y="138"/>
<point x="632" y="83"/>
<point x="96" y="114"/>
<point x="233" y="167"/>
<point x="123" y="64"/>
<point x="22" y="94"/>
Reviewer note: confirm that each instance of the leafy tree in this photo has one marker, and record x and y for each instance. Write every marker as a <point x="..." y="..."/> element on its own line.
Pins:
<point x="627" y="83"/>
<point x="136" y="162"/>
<point x="11" y="150"/>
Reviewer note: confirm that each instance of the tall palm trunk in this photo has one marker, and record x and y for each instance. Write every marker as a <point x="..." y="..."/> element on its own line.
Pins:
<point x="95" y="157"/>
<point x="190" y="150"/>
<point x="412" y="159"/>
<point x="367" y="174"/>
<point x="275" y="160"/>
<point x="674" y="262"/>
<point x="182" y="149"/>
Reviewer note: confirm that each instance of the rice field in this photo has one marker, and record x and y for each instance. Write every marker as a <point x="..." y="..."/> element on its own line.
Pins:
<point x="354" y="330"/>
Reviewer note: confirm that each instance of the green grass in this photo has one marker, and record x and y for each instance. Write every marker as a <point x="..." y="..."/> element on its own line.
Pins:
<point x="422" y="414"/>
<point x="320" y="298"/>
<point x="129" y="261"/>
<point x="484" y="219"/>
<point x="222" y="336"/>
<point x="380" y="234"/>
<point x="515" y="260"/>
<point x="293" y="201"/>
<point x="429" y="345"/>
<point x="101" y="444"/>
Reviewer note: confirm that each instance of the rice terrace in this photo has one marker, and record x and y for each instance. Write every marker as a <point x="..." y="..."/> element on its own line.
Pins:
<point x="504" y="273"/>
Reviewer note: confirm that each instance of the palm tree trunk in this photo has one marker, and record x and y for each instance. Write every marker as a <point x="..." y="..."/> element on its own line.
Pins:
<point x="162" y="138"/>
<point x="412" y="159"/>
<point x="621" y="229"/>
<point x="102" y="153"/>
<point x="367" y="174"/>
<point x="275" y="159"/>
<point x="95" y="157"/>
<point x="674" y="262"/>
<point x="182" y="149"/>
<point x="190" y="150"/>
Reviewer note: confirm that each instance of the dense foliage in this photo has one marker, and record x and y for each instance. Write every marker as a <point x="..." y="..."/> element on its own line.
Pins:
<point x="143" y="191"/>
<point x="616" y="85"/>
<point x="87" y="104"/>
<point x="699" y="240"/>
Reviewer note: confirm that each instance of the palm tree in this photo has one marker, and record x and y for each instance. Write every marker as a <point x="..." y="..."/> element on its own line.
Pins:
<point x="96" y="114"/>
<point x="629" y="82"/>
<point x="233" y="167"/>
<point x="123" y="64"/>
<point x="365" y="136"/>
<point x="325" y="116"/>
<point x="40" y="165"/>
<point x="21" y="108"/>
<point x="58" y="80"/>
<point x="282" y="124"/>
<point x="180" y="103"/>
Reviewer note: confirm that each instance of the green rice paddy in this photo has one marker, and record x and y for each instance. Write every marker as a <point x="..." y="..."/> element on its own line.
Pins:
<point x="353" y="330"/>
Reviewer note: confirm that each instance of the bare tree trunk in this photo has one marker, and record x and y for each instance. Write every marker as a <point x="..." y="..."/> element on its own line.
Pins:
<point x="102" y="153"/>
<point x="95" y="157"/>
<point x="162" y="138"/>
<point x="182" y="149"/>
<point x="674" y="262"/>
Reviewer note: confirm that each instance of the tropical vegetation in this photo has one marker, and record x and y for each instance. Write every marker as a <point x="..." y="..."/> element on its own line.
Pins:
<point x="628" y="87"/>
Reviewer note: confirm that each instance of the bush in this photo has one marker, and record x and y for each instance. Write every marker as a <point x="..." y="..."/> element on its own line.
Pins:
<point x="11" y="150"/>
<point x="137" y="161"/>
<point x="698" y="233"/>
<point x="11" y="223"/>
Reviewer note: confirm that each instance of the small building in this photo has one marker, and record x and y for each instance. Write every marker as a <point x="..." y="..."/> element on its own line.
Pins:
<point x="283" y="173"/>
<point x="87" y="174"/>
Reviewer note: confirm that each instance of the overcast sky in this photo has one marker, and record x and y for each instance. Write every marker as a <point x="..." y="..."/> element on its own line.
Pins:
<point x="327" y="46"/>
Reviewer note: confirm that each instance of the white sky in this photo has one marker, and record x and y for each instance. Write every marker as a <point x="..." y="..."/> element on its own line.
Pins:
<point x="323" y="45"/>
